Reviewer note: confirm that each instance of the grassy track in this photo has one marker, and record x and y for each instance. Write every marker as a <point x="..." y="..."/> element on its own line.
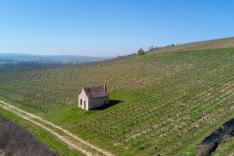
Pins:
<point x="42" y="135"/>
<point x="163" y="103"/>
<point x="60" y="133"/>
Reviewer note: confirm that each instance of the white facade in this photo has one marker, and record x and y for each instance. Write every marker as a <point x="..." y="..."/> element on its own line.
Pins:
<point x="83" y="100"/>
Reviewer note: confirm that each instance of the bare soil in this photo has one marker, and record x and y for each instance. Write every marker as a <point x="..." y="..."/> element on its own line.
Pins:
<point x="210" y="143"/>
<point x="16" y="141"/>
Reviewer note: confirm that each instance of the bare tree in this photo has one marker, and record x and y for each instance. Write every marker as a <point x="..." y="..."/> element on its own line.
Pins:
<point x="151" y="48"/>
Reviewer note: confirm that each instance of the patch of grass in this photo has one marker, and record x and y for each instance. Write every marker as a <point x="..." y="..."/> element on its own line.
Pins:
<point x="226" y="148"/>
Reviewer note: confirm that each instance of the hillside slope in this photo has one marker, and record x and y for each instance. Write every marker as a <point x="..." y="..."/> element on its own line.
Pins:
<point x="209" y="44"/>
<point x="162" y="103"/>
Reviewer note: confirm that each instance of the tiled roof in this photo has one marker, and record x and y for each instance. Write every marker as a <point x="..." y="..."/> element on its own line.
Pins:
<point x="94" y="92"/>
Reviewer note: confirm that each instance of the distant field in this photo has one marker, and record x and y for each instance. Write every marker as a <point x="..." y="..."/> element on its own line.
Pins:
<point x="165" y="103"/>
<point x="14" y="58"/>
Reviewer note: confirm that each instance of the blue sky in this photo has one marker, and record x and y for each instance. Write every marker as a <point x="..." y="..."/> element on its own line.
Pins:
<point x="109" y="27"/>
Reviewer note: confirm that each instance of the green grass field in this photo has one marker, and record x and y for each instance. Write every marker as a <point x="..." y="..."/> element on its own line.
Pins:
<point x="164" y="103"/>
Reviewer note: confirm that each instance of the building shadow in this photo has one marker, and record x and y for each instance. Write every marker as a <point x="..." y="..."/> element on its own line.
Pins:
<point x="110" y="104"/>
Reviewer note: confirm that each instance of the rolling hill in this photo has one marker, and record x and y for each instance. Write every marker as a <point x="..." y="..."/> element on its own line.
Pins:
<point x="162" y="103"/>
<point x="202" y="45"/>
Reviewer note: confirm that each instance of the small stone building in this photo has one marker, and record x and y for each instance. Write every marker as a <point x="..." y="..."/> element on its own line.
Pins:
<point x="93" y="97"/>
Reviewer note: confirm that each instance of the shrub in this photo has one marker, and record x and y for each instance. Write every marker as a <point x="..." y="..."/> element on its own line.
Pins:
<point x="140" y="52"/>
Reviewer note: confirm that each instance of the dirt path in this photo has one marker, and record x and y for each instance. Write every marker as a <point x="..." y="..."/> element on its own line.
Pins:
<point x="60" y="133"/>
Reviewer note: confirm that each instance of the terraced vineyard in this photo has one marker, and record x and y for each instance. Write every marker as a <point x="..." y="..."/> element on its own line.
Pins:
<point x="163" y="103"/>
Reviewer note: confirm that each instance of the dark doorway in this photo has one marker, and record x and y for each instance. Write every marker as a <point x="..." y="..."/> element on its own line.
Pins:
<point x="80" y="102"/>
<point x="84" y="104"/>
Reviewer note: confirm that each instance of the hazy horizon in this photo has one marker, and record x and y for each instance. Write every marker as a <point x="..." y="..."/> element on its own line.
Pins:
<point x="108" y="28"/>
<point x="3" y="53"/>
